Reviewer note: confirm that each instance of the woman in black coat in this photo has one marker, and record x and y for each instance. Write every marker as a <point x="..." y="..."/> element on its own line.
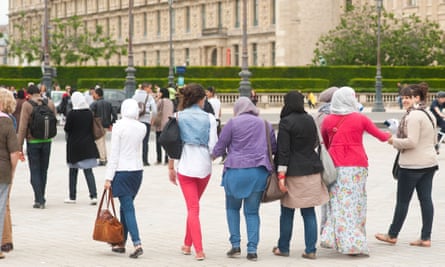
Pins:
<point x="81" y="150"/>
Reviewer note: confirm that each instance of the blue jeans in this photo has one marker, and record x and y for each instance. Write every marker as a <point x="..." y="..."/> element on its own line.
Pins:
<point x="38" y="159"/>
<point x="286" y="226"/>
<point x="251" y="208"/>
<point x="422" y="181"/>
<point x="128" y="219"/>
<point x="145" y="143"/>
<point x="89" y="177"/>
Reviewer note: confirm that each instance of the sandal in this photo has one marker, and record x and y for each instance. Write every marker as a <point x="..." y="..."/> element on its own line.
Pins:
<point x="186" y="250"/>
<point x="386" y="238"/>
<point x="421" y="243"/>
<point x="276" y="251"/>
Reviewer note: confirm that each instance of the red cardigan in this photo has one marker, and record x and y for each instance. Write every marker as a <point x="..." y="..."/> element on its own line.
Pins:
<point x="347" y="147"/>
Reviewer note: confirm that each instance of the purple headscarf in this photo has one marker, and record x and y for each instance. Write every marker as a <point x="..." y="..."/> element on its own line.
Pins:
<point x="244" y="105"/>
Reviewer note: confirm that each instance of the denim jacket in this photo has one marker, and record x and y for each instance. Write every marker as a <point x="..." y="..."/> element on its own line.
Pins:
<point x="193" y="122"/>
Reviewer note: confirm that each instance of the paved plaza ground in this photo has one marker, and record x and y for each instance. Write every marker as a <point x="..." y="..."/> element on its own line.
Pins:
<point x="61" y="234"/>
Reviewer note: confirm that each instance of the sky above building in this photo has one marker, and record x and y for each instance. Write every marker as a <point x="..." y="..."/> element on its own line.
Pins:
<point x="3" y="11"/>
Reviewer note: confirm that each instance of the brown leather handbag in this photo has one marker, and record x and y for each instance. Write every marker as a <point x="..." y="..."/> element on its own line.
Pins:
<point x="98" y="129"/>
<point x="107" y="227"/>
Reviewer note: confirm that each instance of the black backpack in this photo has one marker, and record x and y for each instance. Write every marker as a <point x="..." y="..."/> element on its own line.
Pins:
<point x="43" y="123"/>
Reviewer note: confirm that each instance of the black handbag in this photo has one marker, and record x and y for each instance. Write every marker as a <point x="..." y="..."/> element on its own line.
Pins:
<point x="396" y="167"/>
<point x="170" y="138"/>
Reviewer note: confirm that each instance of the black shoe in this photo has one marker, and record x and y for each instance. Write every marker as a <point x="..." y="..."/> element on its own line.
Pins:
<point x="138" y="252"/>
<point x="146" y="164"/>
<point x="36" y="206"/>
<point x="252" y="256"/>
<point x="118" y="249"/>
<point x="233" y="252"/>
<point x="7" y="247"/>
<point x="102" y="163"/>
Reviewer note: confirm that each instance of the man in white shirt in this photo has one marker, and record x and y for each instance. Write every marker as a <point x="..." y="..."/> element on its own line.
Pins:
<point x="144" y="95"/>
<point x="216" y="104"/>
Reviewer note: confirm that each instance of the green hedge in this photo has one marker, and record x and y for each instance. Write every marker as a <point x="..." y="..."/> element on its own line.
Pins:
<point x="223" y="85"/>
<point x="390" y="85"/>
<point x="227" y="78"/>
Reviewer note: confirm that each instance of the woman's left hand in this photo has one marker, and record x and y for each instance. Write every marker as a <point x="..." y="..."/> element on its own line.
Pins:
<point x="172" y="176"/>
<point x="282" y="185"/>
<point x="107" y="184"/>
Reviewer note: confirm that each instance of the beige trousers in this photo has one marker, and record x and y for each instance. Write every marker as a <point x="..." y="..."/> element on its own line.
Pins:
<point x="100" y="143"/>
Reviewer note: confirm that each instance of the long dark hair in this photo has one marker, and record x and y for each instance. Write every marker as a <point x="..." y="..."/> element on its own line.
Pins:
<point x="190" y="95"/>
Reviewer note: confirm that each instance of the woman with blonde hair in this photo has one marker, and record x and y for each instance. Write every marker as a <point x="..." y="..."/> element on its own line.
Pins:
<point x="9" y="155"/>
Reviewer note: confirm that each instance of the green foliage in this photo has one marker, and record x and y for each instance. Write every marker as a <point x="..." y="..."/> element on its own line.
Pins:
<point x="406" y="41"/>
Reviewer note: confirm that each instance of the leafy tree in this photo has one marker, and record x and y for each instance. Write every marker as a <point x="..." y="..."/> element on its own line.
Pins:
<point x="70" y="43"/>
<point x="403" y="41"/>
<point x="26" y="43"/>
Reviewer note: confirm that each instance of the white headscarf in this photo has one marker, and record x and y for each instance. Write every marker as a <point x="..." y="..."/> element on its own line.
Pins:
<point x="244" y="105"/>
<point x="130" y="109"/>
<point x="344" y="101"/>
<point x="79" y="101"/>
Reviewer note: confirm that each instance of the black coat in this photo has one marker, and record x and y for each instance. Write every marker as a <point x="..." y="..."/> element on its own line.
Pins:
<point x="297" y="142"/>
<point x="80" y="143"/>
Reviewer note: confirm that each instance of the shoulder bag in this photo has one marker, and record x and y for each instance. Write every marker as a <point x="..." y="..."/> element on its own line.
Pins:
<point x="107" y="227"/>
<point x="170" y="138"/>
<point x="98" y="129"/>
<point x="272" y="191"/>
<point x="157" y="121"/>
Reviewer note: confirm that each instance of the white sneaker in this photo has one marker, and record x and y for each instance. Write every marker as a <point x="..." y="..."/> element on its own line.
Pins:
<point x="93" y="201"/>
<point x="70" y="201"/>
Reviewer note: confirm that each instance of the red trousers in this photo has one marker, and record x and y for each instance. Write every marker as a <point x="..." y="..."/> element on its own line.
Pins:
<point x="193" y="188"/>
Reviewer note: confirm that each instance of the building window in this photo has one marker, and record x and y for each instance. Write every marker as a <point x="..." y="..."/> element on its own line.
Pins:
<point x="236" y="54"/>
<point x="187" y="19"/>
<point x="97" y="6"/>
<point x="255" y="12"/>
<point x="173" y="21"/>
<point x="145" y="25"/>
<point x="219" y="15"/>
<point x="158" y="23"/>
<point x="119" y="28"/>
<point x="158" y="58"/>
<point x="187" y="57"/>
<point x="237" y="13"/>
<point x="144" y="55"/>
<point x="203" y="16"/>
<point x="254" y="54"/>
<point x="273" y="15"/>
<point x="272" y="54"/>
<point x="108" y="26"/>
<point x="412" y="2"/>
<point x="348" y="5"/>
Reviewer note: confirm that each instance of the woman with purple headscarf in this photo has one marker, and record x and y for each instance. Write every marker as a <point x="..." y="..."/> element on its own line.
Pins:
<point x="246" y="169"/>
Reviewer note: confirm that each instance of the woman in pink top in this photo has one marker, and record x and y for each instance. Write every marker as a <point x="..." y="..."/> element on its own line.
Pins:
<point x="342" y="133"/>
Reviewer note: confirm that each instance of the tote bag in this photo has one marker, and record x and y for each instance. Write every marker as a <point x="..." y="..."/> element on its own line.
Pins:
<point x="170" y="138"/>
<point x="107" y="227"/>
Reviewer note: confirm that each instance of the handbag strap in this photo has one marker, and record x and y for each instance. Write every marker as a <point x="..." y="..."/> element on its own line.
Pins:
<point x="269" y="145"/>
<point x="109" y="199"/>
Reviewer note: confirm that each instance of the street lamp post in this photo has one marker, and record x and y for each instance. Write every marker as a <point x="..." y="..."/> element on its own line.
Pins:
<point x="245" y="86"/>
<point x="171" y="76"/>
<point x="130" y="82"/>
<point x="47" y="71"/>
<point x="378" y="104"/>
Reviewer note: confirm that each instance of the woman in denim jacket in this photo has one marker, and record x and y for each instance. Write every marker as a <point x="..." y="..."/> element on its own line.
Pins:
<point x="193" y="169"/>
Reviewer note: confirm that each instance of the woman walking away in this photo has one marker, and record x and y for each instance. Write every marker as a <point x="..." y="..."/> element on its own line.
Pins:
<point x="342" y="133"/>
<point x="245" y="172"/>
<point x="165" y="110"/>
<point x="193" y="170"/>
<point x="9" y="156"/>
<point x="81" y="151"/>
<point x="124" y="171"/>
<point x="299" y="169"/>
<point x="416" y="138"/>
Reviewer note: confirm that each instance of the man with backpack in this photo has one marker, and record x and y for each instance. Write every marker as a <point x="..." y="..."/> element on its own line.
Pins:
<point x="38" y="124"/>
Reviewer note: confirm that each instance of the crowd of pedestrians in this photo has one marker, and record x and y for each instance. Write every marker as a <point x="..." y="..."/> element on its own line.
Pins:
<point x="243" y="141"/>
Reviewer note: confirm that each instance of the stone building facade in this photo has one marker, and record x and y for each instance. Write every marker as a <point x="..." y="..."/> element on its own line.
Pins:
<point x="205" y="32"/>
<point x="209" y="32"/>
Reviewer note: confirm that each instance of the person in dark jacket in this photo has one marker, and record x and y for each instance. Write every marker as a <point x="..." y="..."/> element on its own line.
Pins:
<point x="103" y="109"/>
<point x="299" y="173"/>
<point x="81" y="151"/>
